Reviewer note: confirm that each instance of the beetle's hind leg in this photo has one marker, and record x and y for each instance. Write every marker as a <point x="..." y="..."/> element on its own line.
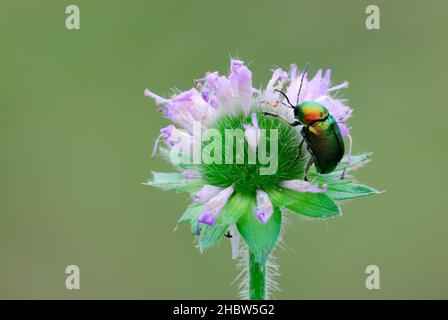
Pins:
<point x="307" y="168"/>
<point x="349" y="156"/>
<point x="299" y="149"/>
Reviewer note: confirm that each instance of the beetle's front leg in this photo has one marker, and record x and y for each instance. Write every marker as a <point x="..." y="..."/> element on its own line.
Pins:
<point x="294" y="124"/>
<point x="307" y="168"/>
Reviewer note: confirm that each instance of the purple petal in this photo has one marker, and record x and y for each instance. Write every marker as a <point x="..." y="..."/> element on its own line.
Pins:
<point x="215" y="89"/>
<point x="294" y="85"/>
<point x="206" y="193"/>
<point x="185" y="108"/>
<point x="175" y="137"/>
<point x="167" y="132"/>
<point x="210" y="79"/>
<point x="264" y="207"/>
<point x="345" y="131"/>
<point x="254" y="119"/>
<point x="343" y="85"/>
<point x="327" y="77"/>
<point x="158" y="99"/>
<point x="224" y="90"/>
<point x="208" y="217"/>
<point x="213" y="207"/>
<point x="252" y="132"/>
<point x="276" y="82"/>
<point x="191" y="174"/>
<point x="241" y="81"/>
<point x="316" y="87"/>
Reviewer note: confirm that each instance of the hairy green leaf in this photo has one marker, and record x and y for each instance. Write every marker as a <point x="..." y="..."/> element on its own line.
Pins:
<point x="260" y="238"/>
<point x="191" y="214"/>
<point x="175" y="181"/>
<point x="314" y="205"/>
<point x="345" y="191"/>
<point x="356" y="162"/>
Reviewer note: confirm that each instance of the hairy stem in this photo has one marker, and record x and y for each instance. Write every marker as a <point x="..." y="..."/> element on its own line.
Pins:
<point x="257" y="278"/>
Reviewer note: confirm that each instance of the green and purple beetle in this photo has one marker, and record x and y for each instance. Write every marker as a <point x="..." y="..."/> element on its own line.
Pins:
<point x="320" y="131"/>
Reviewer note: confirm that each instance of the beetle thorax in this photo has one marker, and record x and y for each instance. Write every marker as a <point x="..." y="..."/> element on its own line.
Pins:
<point x="310" y="112"/>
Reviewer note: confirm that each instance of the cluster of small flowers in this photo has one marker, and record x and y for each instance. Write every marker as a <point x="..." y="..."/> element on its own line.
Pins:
<point x="216" y="95"/>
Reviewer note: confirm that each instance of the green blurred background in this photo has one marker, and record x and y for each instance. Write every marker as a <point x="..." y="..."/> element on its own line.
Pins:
<point x="76" y="134"/>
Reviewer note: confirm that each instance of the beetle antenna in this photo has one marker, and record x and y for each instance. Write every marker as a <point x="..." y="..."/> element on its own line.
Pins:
<point x="286" y="97"/>
<point x="301" y="81"/>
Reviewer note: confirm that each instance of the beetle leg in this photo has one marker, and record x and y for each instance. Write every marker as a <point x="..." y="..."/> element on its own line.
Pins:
<point x="294" y="124"/>
<point x="307" y="168"/>
<point x="349" y="156"/>
<point x="299" y="149"/>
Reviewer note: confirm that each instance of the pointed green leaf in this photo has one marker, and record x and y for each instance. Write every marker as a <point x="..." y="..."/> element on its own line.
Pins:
<point x="237" y="206"/>
<point x="356" y="162"/>
<point x="260" y="238"/>
<point x="314" y="205"/>
<point x="347" y="191"/>
<point x="175" y="181"/>
<point x="191" y="214"/>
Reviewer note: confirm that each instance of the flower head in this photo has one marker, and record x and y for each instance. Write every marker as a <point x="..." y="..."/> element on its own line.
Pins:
<point x="250" y="169"/>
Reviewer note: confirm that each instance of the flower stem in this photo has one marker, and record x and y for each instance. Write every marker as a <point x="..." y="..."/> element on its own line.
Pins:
<point x="257" y="278"/>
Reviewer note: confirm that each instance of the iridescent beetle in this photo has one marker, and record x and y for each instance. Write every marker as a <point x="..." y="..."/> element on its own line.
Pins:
<point x="320" y="132"/>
